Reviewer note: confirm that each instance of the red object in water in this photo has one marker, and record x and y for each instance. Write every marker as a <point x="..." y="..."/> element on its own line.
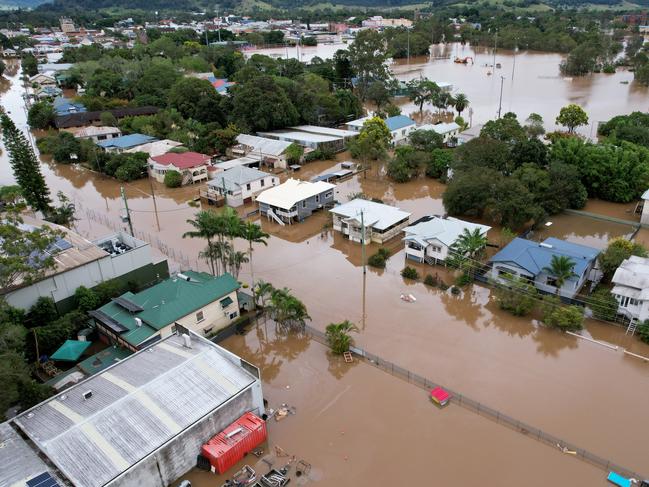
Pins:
<point x="230" y="445"/>
<point x="440" y="396"/>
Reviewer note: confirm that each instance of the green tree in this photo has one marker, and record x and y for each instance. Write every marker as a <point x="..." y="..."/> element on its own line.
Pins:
<point x="506" y="129"/>
<point x="461" y="102"/>
<point x="287" y="310"/>
<point x="426" y="140"/>
<point x="572" y="116"/>
<point x="197" y="99"/>
<point x="236" y="259"/>
<point x="338" y="336"/>
<point x="294" y="153"/>
<point x="29" y="64"/>
<point x="173" y="179"/>
<point x="377" y="92"/>
<point x="206" y="225"/>
<point x="67" y="149"/>
<point x="41" y="115"/>
<point x="566" y="318"/>
<point x="42" y="312"/>
<point x="517" y="296"/>
<point x="222" y="139"/>
<point x="253" y="234"/>
<point x="368" y="55"/>
<point x="439" y="162"/>
<point x="63" y="214"/>
<point x="421" y="91"/>
<point x="603" y="304"/>
<point x="25" y="166"/>
<point x="561" y="268"/>
<point x="643" y="331"/>
<point x="410" y="273"/>
<point x="373" y="140"/>
<point x="86" y="299"/>
<point x="534" y="125"/>
<point x="263" y="291"/>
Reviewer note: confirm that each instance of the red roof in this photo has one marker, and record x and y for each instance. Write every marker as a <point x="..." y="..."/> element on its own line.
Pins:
<point x="183" y="160"/>
<point x="439" y="395"/>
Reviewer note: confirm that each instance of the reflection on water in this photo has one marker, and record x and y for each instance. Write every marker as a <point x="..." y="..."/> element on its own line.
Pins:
<point x="582" y="230"/>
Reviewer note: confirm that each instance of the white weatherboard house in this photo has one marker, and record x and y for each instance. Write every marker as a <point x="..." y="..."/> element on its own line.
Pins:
<point x="399" y="126"/>
<point x="377" y="221"/>
<point x="295" y="200"/>
<point x="448" y="131"/>
<point x="270" y="151"/>
<point x="429" y="241"/>
<point x="631" y="288"/>
<point x="241" y="184"/>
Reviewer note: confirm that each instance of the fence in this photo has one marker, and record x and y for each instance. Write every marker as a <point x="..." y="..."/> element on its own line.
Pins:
<point x="486" y="411"/>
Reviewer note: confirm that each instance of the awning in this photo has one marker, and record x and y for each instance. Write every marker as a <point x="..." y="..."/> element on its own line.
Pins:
<point x="226" y="302"/>
<point x="70" y="351"/>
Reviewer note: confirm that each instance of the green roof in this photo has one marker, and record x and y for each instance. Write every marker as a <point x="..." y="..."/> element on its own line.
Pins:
<point x="70" y="351"/>
<point x="101" y="360"/>
<point x="167" y="302"/>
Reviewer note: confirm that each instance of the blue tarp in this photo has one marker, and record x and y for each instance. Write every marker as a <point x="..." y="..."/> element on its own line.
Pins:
<point x="617" y="479"/>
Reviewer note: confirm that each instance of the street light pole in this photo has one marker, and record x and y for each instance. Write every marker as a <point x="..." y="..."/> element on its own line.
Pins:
<point x="128" y="213"/>
<point x="500" y="103"/>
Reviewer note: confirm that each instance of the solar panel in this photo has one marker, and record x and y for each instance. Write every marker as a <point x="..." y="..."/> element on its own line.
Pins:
<point x="43" y="480"/>
<point x="127" y="304"/>
<point x="114" y="325"/>
<point x="62" y="244"/>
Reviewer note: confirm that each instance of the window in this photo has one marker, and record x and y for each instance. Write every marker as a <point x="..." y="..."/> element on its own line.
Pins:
<point x="262" y="182"/>
<point x="225" y="302"/>
<point x="551" y="281"/>
<point x="329" y="194"/>
<point x="233" y="315"/>
<point x="207" y="330"/>
<point x="436" y="248"/>
<point x="414" y="245"/>
<point x="304" y="204"/>
<point x="317" y="198"/>
<point x="199" y="317"/>
<point x="248" y="186"/>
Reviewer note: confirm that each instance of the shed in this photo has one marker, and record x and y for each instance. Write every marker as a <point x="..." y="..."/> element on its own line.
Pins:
<point x="70" y="351"/>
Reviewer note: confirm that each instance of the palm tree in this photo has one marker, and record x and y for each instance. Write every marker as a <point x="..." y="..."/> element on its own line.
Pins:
<point x="287" y="310"/>
<point x="561" y="268"/>
<point x="221" y="252"/>
<point x="236" y="259"/>
<point x="207" y="226"/>
<point x="263" y="290"/>
<point x="470" y="244"/>
<point x="461" y="102"/>
<point x="253" y="234"/>
<point x="338" y="336"/>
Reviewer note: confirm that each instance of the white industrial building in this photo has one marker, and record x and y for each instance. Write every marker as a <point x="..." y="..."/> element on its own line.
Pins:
<point x="141" y="421"/>
<point x="80" y="262"/>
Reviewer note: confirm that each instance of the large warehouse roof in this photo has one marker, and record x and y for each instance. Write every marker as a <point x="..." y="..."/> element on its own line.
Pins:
<point x="134" y="407"/>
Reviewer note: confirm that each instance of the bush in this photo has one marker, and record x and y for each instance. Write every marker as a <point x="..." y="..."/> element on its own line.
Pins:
<point x="131" y="170"/>
<point x="410" y="273"/>
<point x="42" y="312"/>
<point x="320" y="155"/>
<point x="519" y="298"/>
<point x="107" y="290"/>
<point x="380" y="258"/>
<point x="41" y="115"/>
<point x="455" y="290"/>
<point x="618" y="250"/>
<point x="338" y="337"/>
<point x="173" y="179"/>
<point x="463" y="279"/>
<point x="430" y="280"/>
<point x="643" y="331"/>
<point x="603" y="304"/>
<point x="566" y="318"/>
<point x="86" y="299"/>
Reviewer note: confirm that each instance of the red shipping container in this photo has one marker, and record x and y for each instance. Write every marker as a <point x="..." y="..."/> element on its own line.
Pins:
<point x="230" y="445"/>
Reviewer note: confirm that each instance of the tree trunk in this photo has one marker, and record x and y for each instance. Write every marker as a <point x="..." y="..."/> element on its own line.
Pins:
<point x="252" y="277"/>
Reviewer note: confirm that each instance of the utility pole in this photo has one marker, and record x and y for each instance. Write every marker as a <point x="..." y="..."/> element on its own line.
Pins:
<point x="500" y="103"/>
<point x="363" y="242"/>
<point x="128" y="213"/>
<point x="155" y="205"/>
<point x="514" y="64"/>
<point x="495" y="48"/>
<point x="408" y="45"/>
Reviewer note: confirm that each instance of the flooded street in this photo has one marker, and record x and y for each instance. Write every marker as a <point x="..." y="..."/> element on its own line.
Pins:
<point x="358" y="425"/>
<point x="590" y="395"/>
<point x="532" y="83"/>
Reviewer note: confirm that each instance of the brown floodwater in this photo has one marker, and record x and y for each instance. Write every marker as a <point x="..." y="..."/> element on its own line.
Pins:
<point x="357" y="425"/>
<point x="532" y="83"/>
<point x="585" y="393"/>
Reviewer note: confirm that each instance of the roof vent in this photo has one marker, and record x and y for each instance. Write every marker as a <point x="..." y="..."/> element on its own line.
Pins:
<point x="545" y="245"/>
<point x="183" y="277"/>
<point x="87" y="395"/>
<point x="138" y="322"/>
<point x="187" y="340"/>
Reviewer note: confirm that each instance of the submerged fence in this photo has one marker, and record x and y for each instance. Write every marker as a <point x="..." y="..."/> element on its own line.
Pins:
<point x="486" y="411"/>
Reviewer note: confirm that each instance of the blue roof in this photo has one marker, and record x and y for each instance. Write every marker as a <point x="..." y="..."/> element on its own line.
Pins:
<point x="399" y="122"/>
<point x="126" y="141"/>
<point x="534" y="256"/>
<point x="65" y="106"/>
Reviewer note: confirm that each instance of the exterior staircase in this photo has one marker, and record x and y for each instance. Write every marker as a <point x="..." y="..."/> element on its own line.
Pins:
<point x="272" y="214"/>
<point x="633" y="324"/>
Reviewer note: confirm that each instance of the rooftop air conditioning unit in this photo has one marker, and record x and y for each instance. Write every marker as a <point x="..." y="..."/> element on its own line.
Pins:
<point x="138" y="322"/>
<point x="87" y="395"/>
<point x="183" y="277"/>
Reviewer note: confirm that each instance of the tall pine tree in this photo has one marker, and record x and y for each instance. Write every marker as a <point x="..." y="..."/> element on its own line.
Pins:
<point x="25" y="166"/>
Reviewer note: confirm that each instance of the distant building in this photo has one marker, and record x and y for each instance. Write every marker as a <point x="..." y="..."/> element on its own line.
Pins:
<point x="270" y="152"/>
<point x="89" y="118"/>
<point x="95" y="133"/>
<point x="449" y="131"/>
<point x="631" y="288"/>
<point x="378" y="22"/>
<point x="191" y="165"/>
<point x="196" y="300"/>
<point x="125" y="142"/>
<point x="644" y="217"/>
<point x="241" y="184"/>
<point x="141" y="421"/>
<point x="80" y="262"/>
<point x="67" y="25"/>
<point x="528" y="260"/>
<point x="156" y="147"/>
<point x="42" y="79"/>
<point x="313" y="137"/>
<point x="469" y="134"/>
<point x="65" y="106"/>
<point x="364" y="220"/>
<point x="295" y="200"/>
<point x="430" y="239"/>
<point x="399" y="126"/>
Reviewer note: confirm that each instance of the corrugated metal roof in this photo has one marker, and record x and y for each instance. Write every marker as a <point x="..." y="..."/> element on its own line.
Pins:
<point x="126" y="141"/>
<point x="376" y="215"/>
<point x="236" y="177"/>
<point x="136" y="406"/>
<point x="398" y="122"/>
<point x="264" y="145"/>
<point x="446" y="230"/>
<point x="292" y="191"/>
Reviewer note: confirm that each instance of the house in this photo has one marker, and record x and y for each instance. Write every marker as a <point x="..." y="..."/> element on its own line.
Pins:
<point x="42" y="79"/>
<point x="448" y="131"/>
<point x="399" y="126"/>
<point x="95" y="133"/>
<point x="295" y="200"/>
<point x="125" y="142"/>
<point x="156" y="148"/>
<point x="241" y="184"/>
<point x="54" y="67"/>
<point x="528" y="260"/>
<point x="469" y="134"/>
<point x="80" y="262"/>
<point x="631" y="288"/>
<point x="140" y="421"/>
<point x="88" y="118"/>
<point x="196" y="300"/>
<point x="48" y="92"/>
<point x="366" y="221"/>
<point x="221" y="85"/>
<point x="270" y="151"/>
<point x="314" y="137"/>
<point x="192" y="165"/>
<point x="430" y="239"/>
<point x="65" y="106"/>
<point x="644" y="217"/>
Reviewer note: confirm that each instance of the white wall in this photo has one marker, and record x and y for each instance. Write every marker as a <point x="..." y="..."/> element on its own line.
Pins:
<point x="214" y="317"/>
